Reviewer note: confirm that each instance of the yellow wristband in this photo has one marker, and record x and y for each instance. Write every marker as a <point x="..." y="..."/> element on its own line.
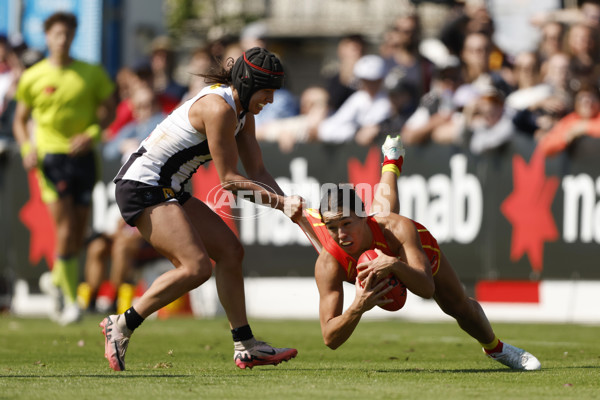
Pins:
<point x="25" y="149"/>
<point x="94" y="132"/>
<point x="392" y="168"/>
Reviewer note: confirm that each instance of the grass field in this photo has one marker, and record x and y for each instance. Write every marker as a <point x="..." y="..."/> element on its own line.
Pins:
<point x="187" y="358"/>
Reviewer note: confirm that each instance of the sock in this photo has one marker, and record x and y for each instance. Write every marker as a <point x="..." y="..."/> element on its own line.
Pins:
<point x="71" y="279"/>
<point x="394" y="166"/>
<point x="242" y="333"/>
<point x="494" y="346"/>
<point x="57" y="271"/>
<point x="132" y="319"/>
<point x="397" y="162"/>
<point x="65" y="275"/>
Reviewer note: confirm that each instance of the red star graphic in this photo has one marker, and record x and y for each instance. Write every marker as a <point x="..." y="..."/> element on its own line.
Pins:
<point x="528" y="210"/>
<point x="203" y="181"/>
<point x="36" y="217"/>
<point x="368" y="173"/>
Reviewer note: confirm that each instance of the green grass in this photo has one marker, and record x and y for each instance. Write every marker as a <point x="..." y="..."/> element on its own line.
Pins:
<point x="187" y="358"/>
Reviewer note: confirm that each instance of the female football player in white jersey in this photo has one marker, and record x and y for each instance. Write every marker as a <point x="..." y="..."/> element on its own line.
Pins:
<point x="217" y="124"/>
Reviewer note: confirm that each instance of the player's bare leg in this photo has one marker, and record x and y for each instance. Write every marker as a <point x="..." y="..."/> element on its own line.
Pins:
<point x="386" y="192"/>
<point x="452" y="299"/>
<point x="179" y="242"/>
<point x="190" y="235"/>
<point x="227" y="252"/>
<point x="450" y="294"/>
<point x="70" y="220"/>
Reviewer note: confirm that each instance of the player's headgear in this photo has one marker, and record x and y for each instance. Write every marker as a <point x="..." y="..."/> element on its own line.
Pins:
<point x="254" y="70"/>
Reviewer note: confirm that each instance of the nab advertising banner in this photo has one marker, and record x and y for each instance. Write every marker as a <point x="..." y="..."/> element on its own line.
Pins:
<point x="510" y="215"/>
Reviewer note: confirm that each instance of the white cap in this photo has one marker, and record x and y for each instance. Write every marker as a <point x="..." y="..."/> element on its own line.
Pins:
<point x="371" y="67"/>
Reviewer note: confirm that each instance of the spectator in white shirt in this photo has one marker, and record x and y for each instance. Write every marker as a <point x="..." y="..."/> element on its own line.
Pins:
<point x="363" y="110"/>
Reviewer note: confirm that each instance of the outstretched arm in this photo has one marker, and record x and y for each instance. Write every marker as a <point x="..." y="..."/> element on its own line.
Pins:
<point x="338" y="325"/>
<point x="411" y="267"/>
<point x="215" y="117"/>
<point x="251" y="156"/>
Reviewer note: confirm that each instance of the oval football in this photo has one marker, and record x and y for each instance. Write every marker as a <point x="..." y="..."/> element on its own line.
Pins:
<point x="398" y="293"/>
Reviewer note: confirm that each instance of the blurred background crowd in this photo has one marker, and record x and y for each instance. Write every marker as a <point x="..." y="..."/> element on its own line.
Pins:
<point x="448" y="72"/>
<point x="452" y="83"/>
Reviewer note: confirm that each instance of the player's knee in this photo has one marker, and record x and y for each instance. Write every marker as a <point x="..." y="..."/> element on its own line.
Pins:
<point x="456" y="308"/>
<point x="194" y="277"/>
<point x="233" y="254"/>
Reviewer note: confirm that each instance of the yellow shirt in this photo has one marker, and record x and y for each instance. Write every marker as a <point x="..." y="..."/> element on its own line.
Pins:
<point x="64" y="101"/>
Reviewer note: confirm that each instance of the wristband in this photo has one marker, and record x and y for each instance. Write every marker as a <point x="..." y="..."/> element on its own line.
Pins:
<point x="94" y="132"/>
<point x="25" y="149"/>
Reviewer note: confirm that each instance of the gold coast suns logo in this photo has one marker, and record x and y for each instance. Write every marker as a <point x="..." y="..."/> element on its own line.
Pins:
<point x="238" y="200"/>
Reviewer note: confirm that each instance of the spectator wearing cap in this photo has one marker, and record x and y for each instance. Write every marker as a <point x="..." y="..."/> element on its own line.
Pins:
<point x="363" y="110"/>
<point x="487" y="125"/>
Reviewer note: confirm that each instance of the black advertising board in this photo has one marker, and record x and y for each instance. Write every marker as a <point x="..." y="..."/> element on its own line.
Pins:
<point x="506" y="215"/>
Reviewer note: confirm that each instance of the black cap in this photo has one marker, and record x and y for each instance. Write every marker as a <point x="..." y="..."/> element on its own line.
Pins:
<point x="254" y="70"/>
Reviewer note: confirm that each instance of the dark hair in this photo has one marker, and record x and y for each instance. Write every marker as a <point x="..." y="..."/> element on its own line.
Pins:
<point x="219" y="74"/>
<point x="589" y="86"/>
<point x="68" y="19"/>
<point x="144" y="73"/>
<point x="356" y="38"/>
<point x="341" y="198"/>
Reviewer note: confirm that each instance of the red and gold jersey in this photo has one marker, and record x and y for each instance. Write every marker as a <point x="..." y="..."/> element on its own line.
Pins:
<point x="348" y="263"/>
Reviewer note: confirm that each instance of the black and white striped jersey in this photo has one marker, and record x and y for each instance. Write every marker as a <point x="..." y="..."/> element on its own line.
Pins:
<point x="174" y="150"/>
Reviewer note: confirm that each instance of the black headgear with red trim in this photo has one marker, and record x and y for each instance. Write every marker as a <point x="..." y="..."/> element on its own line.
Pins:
<point x="254" y="70"/>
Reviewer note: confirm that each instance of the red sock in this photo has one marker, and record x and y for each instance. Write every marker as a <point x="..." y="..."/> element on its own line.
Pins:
<point x="397" y="162"/>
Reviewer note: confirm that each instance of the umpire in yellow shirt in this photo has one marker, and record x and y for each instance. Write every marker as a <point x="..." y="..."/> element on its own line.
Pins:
<point x="67" y="100"/>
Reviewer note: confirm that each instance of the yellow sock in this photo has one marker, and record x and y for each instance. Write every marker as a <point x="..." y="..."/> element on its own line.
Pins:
<point x="65" y="275"/>
<point x="392" y="168"/>
<point x="493" y="346"/>
<point x="57" y="272"/>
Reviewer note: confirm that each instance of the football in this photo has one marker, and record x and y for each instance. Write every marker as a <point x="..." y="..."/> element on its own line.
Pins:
<point x="398" y="293"/>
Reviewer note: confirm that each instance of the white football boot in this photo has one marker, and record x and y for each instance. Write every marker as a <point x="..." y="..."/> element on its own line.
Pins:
<point x="392" y="148"/>
<point x="516" y="358"/>
<point x="260" y="353"/>
<point x="54" y="293"/>
<point x="71" y="314"/>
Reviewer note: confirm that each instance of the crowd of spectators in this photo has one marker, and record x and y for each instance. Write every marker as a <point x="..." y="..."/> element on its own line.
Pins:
<point x="428" y="90"/>
<point x="458" y="88"/>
